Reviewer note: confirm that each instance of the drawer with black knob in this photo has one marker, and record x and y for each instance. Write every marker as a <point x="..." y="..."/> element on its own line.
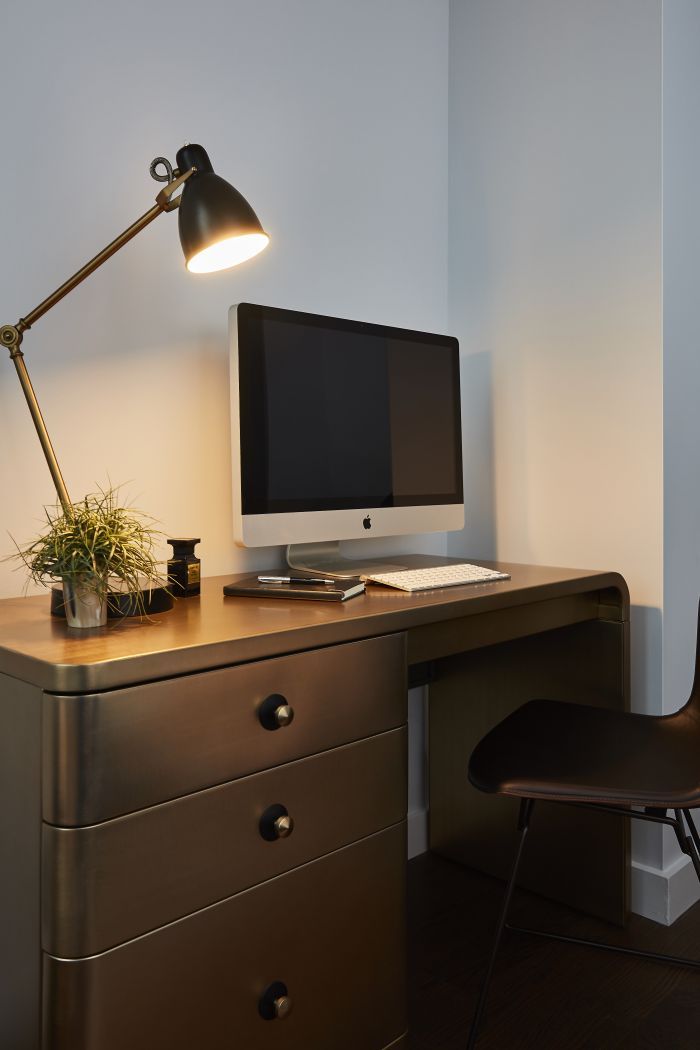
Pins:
<point x="108" y="883"/>
<point x="116" y="752"/>
<point x="310" y="960"/>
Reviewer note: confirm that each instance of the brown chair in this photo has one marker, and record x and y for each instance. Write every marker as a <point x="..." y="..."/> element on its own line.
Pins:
<point x="597" y="758"/>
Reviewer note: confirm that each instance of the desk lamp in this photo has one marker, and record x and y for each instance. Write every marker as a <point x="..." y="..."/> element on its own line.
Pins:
<point x="218" y="229"/>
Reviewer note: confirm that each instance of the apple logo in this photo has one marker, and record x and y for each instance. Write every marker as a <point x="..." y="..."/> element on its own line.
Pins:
<point x="367" y="522"/>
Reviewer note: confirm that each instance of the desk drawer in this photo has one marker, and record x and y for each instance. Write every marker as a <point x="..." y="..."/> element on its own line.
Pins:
<point x="106" y="884"/>
<point x="331" y="931"/>
<point x="112" y="753"/>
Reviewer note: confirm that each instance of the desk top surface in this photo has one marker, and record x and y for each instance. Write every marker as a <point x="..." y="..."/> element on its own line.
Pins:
<point x="214" y="630"/>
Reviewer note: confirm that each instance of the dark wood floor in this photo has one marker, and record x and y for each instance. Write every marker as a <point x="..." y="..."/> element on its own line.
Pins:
<point x="544" y="995"/>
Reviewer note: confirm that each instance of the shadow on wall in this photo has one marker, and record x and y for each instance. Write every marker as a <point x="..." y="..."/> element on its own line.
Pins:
<point x="645" y="644"/>
<point x="652" y="847"/>
<point x="478" y="538"/>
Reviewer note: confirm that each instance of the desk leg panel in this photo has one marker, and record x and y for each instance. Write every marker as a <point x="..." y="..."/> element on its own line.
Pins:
<point x="20" y="841"/>
<point x="574" y="856"/>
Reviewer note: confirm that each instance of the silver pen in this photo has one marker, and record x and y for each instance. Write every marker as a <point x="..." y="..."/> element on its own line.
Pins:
<point x="293" y="579"/>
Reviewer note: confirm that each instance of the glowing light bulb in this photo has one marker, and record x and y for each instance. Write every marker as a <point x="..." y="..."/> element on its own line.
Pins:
<point x="228" y="252"/>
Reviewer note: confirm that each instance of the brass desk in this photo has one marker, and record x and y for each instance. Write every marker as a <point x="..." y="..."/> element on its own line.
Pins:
<point x="153" y="893"/>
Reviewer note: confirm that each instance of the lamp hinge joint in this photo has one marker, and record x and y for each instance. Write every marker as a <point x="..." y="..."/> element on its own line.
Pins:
<point x="165" y="198"/>
<point x="11" y="337"/>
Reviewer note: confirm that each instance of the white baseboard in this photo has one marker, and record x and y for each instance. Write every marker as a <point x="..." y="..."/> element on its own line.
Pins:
<point x="664" y="894"/>
<point x="417" y="832"/>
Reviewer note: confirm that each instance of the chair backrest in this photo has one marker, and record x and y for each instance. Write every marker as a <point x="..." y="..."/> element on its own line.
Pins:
<point x="692" y="706"/>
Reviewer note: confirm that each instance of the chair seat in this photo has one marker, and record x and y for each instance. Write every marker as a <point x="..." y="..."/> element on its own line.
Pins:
<point x="570" y="752"/>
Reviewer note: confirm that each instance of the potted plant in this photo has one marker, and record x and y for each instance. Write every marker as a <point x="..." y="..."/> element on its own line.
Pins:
<point x="95" y="547"/>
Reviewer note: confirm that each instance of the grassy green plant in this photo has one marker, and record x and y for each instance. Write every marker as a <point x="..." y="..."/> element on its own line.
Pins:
<point x="99" y="544"/>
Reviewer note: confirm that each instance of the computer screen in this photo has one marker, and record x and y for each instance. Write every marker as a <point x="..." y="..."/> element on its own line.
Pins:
<point x="341" y="428"/>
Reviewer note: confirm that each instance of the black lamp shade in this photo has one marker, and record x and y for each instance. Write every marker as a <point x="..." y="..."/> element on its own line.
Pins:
<point x="218" y="228"/>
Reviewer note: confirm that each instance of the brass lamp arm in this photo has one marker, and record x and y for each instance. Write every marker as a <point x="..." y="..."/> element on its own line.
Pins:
<point x="11" y="335"/>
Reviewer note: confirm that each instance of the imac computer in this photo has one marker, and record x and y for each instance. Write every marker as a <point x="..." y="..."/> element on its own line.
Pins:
<point x="341" y="430"/>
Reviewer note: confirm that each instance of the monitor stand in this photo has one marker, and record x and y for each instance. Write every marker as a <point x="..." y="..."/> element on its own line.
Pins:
<point x="326" y="558"/>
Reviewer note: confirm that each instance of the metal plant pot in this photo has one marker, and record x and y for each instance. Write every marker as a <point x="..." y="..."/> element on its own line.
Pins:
<point x="85" y="606"/>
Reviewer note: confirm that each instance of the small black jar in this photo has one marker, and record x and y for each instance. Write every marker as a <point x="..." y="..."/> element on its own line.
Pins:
<point x="184" y="568"/>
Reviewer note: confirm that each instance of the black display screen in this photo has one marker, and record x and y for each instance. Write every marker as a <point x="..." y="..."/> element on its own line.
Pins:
<point x="341" y="414"/>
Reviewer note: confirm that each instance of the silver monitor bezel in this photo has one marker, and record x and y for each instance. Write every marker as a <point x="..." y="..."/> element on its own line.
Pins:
<point x="268" y="530"/>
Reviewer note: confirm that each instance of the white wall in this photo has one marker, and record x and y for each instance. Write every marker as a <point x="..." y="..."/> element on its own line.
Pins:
<point x="555" y="232"/>
<point x="330" y="117"/>
<point x="681" y="369"/>
<point x="555" y="294"/>
<point x="681" y="284"/>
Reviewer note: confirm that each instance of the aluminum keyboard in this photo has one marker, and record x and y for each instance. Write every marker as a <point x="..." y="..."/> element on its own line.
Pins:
<point x="435" y="577"/>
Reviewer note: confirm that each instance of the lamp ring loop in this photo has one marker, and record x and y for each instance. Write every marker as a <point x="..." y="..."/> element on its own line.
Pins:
<point x="168" y="176"/>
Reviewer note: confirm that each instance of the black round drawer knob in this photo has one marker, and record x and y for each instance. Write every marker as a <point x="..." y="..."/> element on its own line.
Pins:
<point x="275" y="1003"/>
<point x="275" y="712"/>
<point x="276" y="823"/>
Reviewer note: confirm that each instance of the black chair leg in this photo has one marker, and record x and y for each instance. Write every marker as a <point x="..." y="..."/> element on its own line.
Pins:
<point x="526" y="806"/>
<point x="690" y="845"/>
<point x="696" y="838"/>
<point x="693" y="829"/>
<point x="686" y="842"/>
